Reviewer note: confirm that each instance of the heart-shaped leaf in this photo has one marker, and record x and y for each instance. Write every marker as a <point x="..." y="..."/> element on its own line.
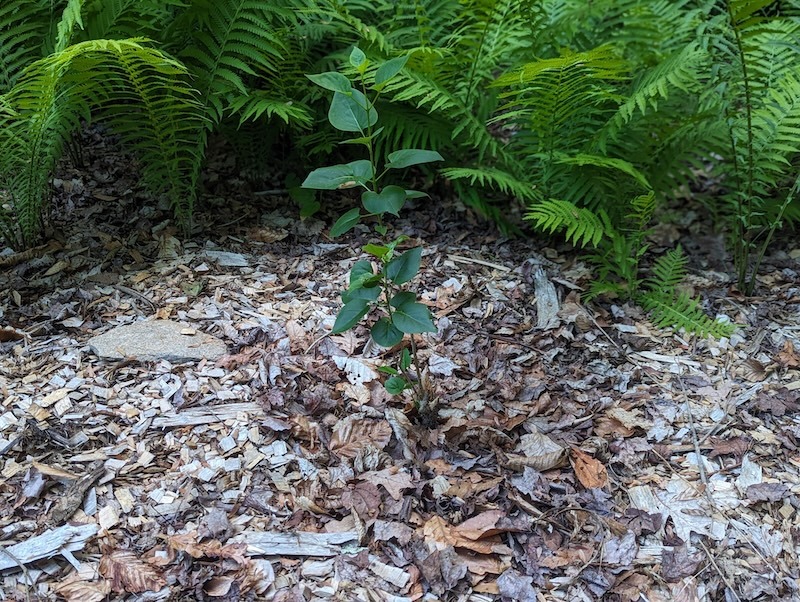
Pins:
<point x="395" y="385"/>
<point x="351" y="112"/>
<point x="411" y="156"/>
<point x="390" y="200"/>
<point x="388" y="70"/>
<point x="357" y="58"/>
<point x="385" y="334"/>
<point x="404" y="267"/>
<point x="331" y="81"/>
<point x="339" y="176"/>
<point x="346" y="222"/>
<point x="349" y="315"/>
<point x="409" y="316"/>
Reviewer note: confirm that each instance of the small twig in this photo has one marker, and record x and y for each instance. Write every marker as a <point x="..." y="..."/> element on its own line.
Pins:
<point x="24" y="570"/>
<point x="137" y="294"/>
<point x="271" y="192"/>
<point x="470" y="260"/>
<point x="696" y="442"/>
<point x="722" y="576"/>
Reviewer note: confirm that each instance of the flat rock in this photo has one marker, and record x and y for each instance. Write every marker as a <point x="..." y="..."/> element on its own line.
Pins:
<point x="153" y="340"/>
<point x="227" y="259"/>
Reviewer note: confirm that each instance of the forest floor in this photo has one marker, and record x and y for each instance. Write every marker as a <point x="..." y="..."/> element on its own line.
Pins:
<point x="589" y="457"/>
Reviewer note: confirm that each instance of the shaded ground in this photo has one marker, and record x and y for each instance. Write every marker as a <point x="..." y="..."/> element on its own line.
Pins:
<point x="592" y="458"/>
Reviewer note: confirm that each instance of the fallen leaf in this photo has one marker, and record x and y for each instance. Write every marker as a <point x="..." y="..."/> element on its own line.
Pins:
<point x="443" y="570"/>
<point x="538" y="451"/>
<point x="364" y="498"/>
<point x="677" y="563"/>
<point x="590" y="472"/>
<point x="516" y="586"/>
<point x="766" y="492"/>
<point x="354" y="433"/>
<point x="440" y="535"/>
<point x="788" y="357"/>
<point x="385" y="530"/>
<point x="75" y="588"/>
<point x="188" y="542"/>
<point x="129" y="574"/>
<point x="392" y="479"/>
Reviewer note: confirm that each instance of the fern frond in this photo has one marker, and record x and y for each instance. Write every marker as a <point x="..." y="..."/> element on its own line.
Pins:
<point x="250" y="107"/>
<point x="496" y="179"/>
<point x="157" y="114"/>
<point x="669" y="270"/>
<point x="120" y="19"/>
<point x="25" y="30"/>
<point x="679" y="72"/>
<point x="143" y="94"/>
<point x="678" y="310"/>
<point x="232" y="40"/>
<point x="582" y="226"/>
<point x="70" y="18"/>
<point x="681" y="311"/>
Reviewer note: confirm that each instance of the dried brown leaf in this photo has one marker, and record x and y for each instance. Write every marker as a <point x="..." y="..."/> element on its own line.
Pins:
<point x="590" y="472"/>
<point x="76" y="589"/>
<point x="736" y="446"/>
<point x="766" y="492"/>
<point x="394" y="480"/>
<point x="188" y="543"/>
<point x="364" y="498"/>
<point x="441" y="534"/>
<point x="129" y="574"/>
<point x="354" y="433"/>
<point x="788" y="357"/>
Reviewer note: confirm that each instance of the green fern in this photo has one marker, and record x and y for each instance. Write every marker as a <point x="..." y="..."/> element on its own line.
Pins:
<point x="141" y="92"/>
<point x="493" y="178"/>
<point x="673" y="309"/>
<point x="581" y="226"/>
<point x="25" y="30"/>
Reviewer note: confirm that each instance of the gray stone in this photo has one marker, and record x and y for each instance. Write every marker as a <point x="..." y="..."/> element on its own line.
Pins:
<point x="154" y="340"/>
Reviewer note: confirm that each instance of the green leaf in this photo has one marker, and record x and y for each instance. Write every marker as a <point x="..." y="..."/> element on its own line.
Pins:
<point x="358" y="59"/>
<point x="404" y="267"/>
<point x="364" y="140"/>
<point x="349" y="315"/>
<point x="360" y="271"/>
<point x="395" y="385"/>
<point x="339" y="176"/>
<point x="367" y="294"/>
<point x="416" y="194"/>
<point x="409" y="316"/>
<point x="306" y="199"/>
<point x="405" y="359"/>
<point x="411" y="156"/>
<point x="388" y="70"/>
<point x="390" y="200"/>
<point x="379" y="251"/>
<point x="351" y="113"/>
<point x="381" y="229"/>
<point x="331" y="81"/>
<point x="346" y="222"/>
<point x="387" y="370"/>
<point x="385" y="334"/>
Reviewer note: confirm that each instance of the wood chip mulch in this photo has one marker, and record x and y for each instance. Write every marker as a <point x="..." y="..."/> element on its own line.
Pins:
<point x="585" y="456"/>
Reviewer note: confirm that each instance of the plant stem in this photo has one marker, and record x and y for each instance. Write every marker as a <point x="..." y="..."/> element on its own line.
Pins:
<point x="751" y="284"/>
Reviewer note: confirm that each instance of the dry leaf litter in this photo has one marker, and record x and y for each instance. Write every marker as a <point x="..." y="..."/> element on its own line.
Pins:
<point x="226" y="448"/>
